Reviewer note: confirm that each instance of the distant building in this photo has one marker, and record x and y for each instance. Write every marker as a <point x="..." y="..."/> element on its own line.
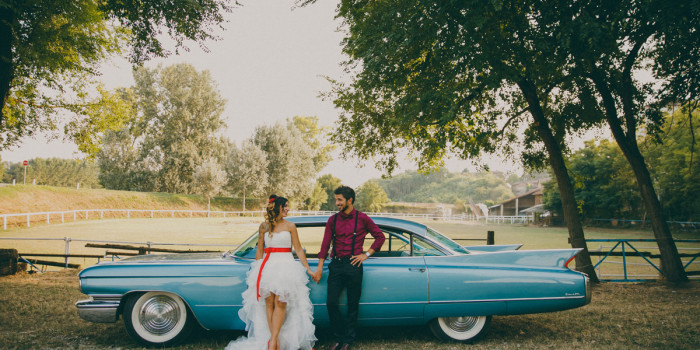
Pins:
<point x="523" y="204"/>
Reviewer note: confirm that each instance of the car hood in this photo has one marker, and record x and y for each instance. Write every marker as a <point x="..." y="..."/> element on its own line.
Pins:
<point x="172" y="257"/>
<point x="163" y="265"/>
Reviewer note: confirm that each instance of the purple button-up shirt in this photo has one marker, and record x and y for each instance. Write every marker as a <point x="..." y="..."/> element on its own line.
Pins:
<point x="344" y="232"/>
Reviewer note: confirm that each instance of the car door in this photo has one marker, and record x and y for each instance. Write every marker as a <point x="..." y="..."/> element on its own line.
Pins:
<point x="395" y="284"/>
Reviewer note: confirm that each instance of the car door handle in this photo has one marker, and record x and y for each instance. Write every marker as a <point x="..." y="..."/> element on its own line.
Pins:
<point x="419" y="269"/>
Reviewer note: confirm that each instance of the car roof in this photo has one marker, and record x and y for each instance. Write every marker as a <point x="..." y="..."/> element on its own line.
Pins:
<point x="381" y="221"/>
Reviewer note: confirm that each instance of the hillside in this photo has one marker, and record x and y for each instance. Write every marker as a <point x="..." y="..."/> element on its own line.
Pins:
<point x="26" y="199"/>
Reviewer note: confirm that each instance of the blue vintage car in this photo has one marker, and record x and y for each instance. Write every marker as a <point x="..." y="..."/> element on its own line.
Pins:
<point x="419" y="277"/>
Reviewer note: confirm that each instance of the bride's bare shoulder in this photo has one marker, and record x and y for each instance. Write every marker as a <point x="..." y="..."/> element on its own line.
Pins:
<point x="264" y="227"/>
<point x="288" y="225"/>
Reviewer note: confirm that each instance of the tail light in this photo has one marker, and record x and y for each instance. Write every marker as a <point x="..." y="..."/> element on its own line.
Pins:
<point x="570" y="260"/>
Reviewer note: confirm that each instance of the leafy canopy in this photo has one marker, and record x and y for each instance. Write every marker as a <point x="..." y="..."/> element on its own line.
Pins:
<point x="51" y="51"/>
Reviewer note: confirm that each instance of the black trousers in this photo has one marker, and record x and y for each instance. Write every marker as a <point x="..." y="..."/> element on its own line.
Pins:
<point x="343" y="275"/>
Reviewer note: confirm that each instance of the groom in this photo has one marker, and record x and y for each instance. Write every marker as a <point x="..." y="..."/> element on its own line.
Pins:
<point x="346" y="230"/>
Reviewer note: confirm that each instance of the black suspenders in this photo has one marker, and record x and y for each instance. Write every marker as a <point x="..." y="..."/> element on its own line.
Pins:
<point x="354" y="233"/>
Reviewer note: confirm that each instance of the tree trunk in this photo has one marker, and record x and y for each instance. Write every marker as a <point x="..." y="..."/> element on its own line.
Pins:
<point x="244" y="199"/>
<point x="671" y="264"/>
<point x="6" y="76"/>
<point x="566" y="190"/>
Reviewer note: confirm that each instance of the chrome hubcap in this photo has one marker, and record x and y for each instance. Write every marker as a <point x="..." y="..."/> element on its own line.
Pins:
<point x="461" y="324"/>
<point x="159" y="315"/>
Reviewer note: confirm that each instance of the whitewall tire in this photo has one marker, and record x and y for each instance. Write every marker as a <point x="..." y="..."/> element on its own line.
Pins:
<point x="462" y="329"/>
<point x="157" y="318"/>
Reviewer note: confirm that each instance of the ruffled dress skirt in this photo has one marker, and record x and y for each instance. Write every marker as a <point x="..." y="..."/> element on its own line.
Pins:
<point x="287" y="278"/>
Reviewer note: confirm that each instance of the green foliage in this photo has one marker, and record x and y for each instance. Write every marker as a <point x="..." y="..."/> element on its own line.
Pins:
<point x="209" y="179"/>
<point x="674" y="164"/>
<point x="371" y="197"/>
<point x="445" y="187"/>
<point x="603" y="182"/>
<point x="329" y="183"/>
<point x="316" y="199"/>
<point x="247" y="170"/>
<point x="290" y="167"/>
<point x="55" y="172"/>
<point x="51" y="51"/>
<point x="439" y="78"/>
<point x="178" y="114"/>
<point x="316" y="137"/>
<point x="605" y="185"/>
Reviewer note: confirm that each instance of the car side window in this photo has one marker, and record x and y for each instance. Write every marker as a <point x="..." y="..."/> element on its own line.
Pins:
<point x="402" y="244"/>
<point x="422" y="247"/>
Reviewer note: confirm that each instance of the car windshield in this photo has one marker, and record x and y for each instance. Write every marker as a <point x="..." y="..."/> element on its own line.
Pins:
<point x="247" y="249"/>
<point x="440" y="238"/>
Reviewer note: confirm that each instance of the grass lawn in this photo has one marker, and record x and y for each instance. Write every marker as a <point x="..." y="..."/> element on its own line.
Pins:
<point x="36" y="311"/>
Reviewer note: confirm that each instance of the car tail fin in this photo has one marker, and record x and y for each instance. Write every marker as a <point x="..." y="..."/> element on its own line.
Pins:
<point x="566" y="264"/>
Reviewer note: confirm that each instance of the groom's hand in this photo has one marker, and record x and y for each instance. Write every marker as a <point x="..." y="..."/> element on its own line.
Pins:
<point x="357" y="260"/>
<point x="317" y="275"/>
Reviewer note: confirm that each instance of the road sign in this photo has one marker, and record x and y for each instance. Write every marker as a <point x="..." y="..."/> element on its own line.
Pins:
<point x="25" y="163"/>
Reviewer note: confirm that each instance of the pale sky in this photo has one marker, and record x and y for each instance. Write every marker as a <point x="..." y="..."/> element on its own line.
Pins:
<point x="269" y="65"/>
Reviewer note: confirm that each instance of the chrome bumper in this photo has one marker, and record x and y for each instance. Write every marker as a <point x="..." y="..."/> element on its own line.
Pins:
<point x="589" y="292"/>
<point x="99" y="308"/>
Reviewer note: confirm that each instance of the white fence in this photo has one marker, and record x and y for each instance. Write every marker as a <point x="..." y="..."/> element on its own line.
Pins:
<point x="85" y="214"/>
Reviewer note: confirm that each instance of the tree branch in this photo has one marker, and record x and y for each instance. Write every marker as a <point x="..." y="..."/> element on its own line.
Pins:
<point x="511" y="119"/>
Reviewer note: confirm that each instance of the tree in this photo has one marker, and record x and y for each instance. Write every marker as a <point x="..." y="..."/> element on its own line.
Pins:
<point x="316" y="199"/>
<point x="290" y="167"/>
<point x="316" y="138"/>
<point x="604" y="44"/>
<point x="120" y="163"/>
<point x="605" y="183"/>
<point x="673" y="164"/>
<point x="247" y="170"/>
<point x="329" y="183"/>
<point x="371" y="197"/>
<point x="50" y="52"/>
<point x="56" y="172"/>
<point x="446" y="187"/>
<point x="177" y="115"/>
<point x="458" y="77"/>
<point x="209" y="179"/>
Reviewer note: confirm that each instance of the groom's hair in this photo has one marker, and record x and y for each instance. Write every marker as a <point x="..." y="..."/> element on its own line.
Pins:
<point x="347" y="192"/>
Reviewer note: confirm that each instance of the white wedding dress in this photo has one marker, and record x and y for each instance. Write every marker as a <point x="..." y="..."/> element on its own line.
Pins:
<point x="287" y="278"/>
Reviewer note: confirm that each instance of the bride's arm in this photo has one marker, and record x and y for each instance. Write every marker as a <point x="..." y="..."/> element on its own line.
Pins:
<point x="299" y="250"/>
<point x="261" y="241"/>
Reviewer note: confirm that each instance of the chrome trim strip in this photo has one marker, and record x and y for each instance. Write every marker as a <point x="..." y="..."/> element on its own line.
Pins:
<point x="497" y="300"/>
<point x="106" y="296"/>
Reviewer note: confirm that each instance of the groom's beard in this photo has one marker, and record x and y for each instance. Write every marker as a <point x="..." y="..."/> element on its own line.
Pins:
<point x="343" y="208"/>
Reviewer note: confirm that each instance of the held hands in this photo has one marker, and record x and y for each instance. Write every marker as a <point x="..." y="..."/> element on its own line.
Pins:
<point x="316" y="276"/>
<point x="357" y="260"/>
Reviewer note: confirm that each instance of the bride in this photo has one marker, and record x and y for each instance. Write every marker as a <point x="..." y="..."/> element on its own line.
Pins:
<point x="276" y="308"/>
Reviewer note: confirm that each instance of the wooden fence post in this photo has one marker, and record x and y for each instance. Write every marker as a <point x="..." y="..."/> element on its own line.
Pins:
<point x="490" y="237"/>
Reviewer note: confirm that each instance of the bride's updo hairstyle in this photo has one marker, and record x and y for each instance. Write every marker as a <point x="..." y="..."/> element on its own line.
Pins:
<point x="273" y="209"/>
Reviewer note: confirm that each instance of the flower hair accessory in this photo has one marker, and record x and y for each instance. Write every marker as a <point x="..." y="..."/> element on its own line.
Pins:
<point x="271" y="200"/>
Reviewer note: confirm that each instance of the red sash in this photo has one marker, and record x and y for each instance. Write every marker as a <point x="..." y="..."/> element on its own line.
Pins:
<point x="267" y="255"/>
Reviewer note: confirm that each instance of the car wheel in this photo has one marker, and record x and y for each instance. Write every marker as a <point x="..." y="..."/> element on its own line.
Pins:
<point x="157" y="318"/>
<point x="463" y="329"/>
